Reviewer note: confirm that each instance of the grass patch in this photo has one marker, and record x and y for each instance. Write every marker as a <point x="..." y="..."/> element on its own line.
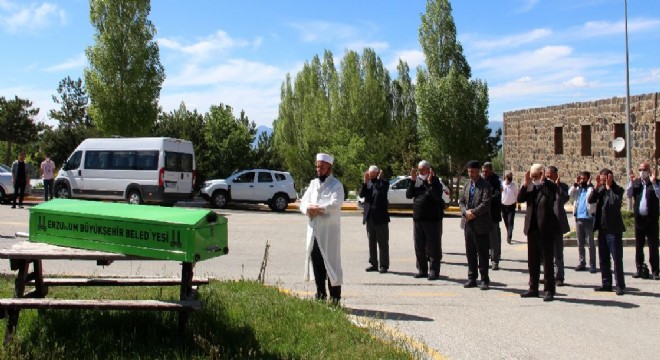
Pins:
<point x="239" y="320"/>
<point x="628" y="221"/>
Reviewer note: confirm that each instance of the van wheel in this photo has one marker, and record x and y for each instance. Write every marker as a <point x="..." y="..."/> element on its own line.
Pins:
<point x="3" y="198"/>
<point x="134" y="197"/>
<point x="280" y="203"/>
<point x="62" y="192"/>
<point x="219" y="199"/>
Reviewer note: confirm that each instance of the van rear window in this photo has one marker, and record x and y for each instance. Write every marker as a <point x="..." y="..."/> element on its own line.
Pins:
<point x="179" y="162"/>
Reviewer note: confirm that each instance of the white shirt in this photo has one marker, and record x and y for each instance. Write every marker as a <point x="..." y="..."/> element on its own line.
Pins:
<point x="509" y="193"/>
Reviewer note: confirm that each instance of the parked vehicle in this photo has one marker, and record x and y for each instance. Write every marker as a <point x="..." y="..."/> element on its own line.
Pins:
<point x="396" y="195"/>
<point x="6" y="185"/>
<point x="138" y="170"/>
<point x="275" y="188"/>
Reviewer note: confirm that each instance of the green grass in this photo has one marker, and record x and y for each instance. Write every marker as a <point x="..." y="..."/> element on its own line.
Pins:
<point x="239" y="320"/>
<point x="628" y="221"/>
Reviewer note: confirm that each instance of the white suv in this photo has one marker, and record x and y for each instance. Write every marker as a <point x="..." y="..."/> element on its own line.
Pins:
<point x="275" y="188"/>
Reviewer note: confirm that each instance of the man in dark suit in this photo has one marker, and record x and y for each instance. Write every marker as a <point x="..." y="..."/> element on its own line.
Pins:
<point x="645" y="189"/>
<point x="476" y="223"/>
<point x="428" y="210"/>
<point x="562" y="197"/>
<point x="608" y="197"/>
<point x="495" y="214"/>
<point x="376" y="217"/>
<point x="541" y="228"/>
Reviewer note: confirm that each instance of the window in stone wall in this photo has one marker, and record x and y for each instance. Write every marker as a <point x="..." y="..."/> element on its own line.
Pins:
<point x="620" y="131"/>
<point x="585" y="140"/>
<point x="559" y="140"/>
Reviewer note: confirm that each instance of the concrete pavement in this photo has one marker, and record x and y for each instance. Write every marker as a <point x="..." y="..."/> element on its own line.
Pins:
<point x="458" y="323"/>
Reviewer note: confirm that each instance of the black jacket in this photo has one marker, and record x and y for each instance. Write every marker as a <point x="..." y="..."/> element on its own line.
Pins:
<point x="560" y="211"/>
<point x="496" y="203"/>
<point x="375" y="201"/>
<point x="540" y="207"/>
<point x="608" y="214"/>
<point x="651" y="198"/>
<point x="427" y="199"/>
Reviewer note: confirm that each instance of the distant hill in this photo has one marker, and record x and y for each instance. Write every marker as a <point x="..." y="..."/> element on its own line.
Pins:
<point x="261" y="129"/>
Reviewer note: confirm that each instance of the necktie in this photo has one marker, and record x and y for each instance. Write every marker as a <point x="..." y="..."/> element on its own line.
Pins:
<point x="471" y="200"/>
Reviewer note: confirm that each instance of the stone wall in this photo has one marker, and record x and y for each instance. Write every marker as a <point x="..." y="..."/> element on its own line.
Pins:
<point x="529" y="136"/>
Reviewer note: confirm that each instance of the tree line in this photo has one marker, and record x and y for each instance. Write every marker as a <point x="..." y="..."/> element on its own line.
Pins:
<point x="354" y="111"/>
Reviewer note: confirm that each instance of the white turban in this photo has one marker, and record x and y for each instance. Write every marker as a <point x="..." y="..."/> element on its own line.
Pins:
<point x="373" y="168"/>
<point x="325" y="157"/>
<point x="536" y="168"/>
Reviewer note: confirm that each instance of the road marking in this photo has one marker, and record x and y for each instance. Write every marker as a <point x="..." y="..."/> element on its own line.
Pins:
<point x="428" y="294"/>
<point x="12" y="222"/>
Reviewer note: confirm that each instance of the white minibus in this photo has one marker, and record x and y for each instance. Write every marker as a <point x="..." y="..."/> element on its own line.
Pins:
<point x="138" y="170"/>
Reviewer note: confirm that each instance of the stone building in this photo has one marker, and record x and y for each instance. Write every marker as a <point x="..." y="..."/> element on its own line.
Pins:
<point x="578" y="136"/>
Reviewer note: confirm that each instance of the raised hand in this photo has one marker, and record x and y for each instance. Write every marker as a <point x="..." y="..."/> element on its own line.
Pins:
<point x="653" y="176"/>
<point x="413" y="174"/>
<point x="431" y="174"/>
<point x="609" y="181"/>
<point x="366" y="177"/>
<point x="631" y="174"/>
<point x="528" y="178"/>
<point x="558" y="179"/>
<point x="381" y="175"/>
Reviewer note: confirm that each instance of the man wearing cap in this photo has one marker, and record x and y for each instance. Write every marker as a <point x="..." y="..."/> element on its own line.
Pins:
<point x="428" y="210"/>
<point x="322" y="204"/>
<point x="476" y="223"/>
<point x="376" y="217"/>
<point x="541" y="228"/>
<point x="495" y="236"/>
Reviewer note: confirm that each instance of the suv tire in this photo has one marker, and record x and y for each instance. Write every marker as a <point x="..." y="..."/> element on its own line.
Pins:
<point x="279" y="202"/>
<point x="219" y="199"/>
<point x="62" y="192"/>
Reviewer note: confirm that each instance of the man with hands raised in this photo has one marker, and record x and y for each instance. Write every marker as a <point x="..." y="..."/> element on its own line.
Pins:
<point x="428" y="210"/>
<point x="376" y="218"/>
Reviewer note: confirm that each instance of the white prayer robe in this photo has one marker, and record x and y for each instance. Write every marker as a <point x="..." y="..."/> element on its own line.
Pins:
<point x="326" y="228"/>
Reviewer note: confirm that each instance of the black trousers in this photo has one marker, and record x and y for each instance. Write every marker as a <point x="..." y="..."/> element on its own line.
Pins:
<point x="320" y="276"/>
<point x="428" y="245"/>
<point x="48" y="189"/>
<point x="509" y="215"/>
<point x="476" y="249"/>
<point x="646" y="228"/>
<point x="379" y="244"/>
<point x="540" y="245"/>
<point x="19" y="192"/>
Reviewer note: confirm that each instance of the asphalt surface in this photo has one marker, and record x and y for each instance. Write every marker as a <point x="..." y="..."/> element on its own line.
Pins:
<point x="457" y="323"/>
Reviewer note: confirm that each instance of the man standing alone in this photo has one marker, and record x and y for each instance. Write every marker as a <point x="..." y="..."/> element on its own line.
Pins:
<point x="322" y="204"/>
<point x="476" y="223"/>
<point x="428" y="210"/>
<point x="376" y="217"/>
<point x="20" y="179"/>
<point x="541" y="227"/>
<point x="47" y="173"/>
<point x="495" y="236"/>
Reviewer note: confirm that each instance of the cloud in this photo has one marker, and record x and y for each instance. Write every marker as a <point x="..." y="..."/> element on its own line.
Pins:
<point x="201" y="50"/>
<point x="360" y="45"/>
<point x="72" y="63"/>
<point x="324" y="31"/>
<point x="414" y="58"/>
<point x="232" y="71"/>
<point x="512" y="41"/>
<point x="527" y="5"/>
<point x="604" y="28"/>
<point x="18" y="17"/>
<point x="576" y="82"/>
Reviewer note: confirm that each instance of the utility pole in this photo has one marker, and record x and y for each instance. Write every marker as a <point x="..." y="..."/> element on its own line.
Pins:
<point x="628" y="143"/>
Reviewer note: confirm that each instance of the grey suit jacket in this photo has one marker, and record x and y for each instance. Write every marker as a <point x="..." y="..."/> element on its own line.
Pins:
<point x="480" y="207"/>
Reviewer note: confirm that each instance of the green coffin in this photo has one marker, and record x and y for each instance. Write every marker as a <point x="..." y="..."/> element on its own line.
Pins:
<point x="187" y="235"/>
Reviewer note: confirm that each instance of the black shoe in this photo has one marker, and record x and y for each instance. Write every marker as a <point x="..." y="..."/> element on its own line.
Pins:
<point x="371" y="269"/>
<point x="508" y="241"/>
<point x="637" y="275"/>
<point x="593" y="270"/>
<point x="382" y="270"/>
<point x="433" y="276"/>
<point x="484" y="285"/>
<point x="321" y="297"/>
<point x="656" y="276"/>
<point x="559" y="282"/>
<point x="496" y="266"/>
<point x="13" y="206"/>
<point x="619" y="291"/>
<point x="604" y="288"/>
<point x="549" y="296"/>
<point x="421" y="275"/>
<point x="470" y="284"/>
<point x="530" y="293"/>
<point x="20" y="206"/>
<point x="580" y="268"/>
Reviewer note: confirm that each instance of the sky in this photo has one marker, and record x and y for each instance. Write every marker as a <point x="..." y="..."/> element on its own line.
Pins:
<point x="531" y="53"/>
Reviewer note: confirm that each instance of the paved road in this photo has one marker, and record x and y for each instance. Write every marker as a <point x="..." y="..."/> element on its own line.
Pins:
<point x="458" y="323"/>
